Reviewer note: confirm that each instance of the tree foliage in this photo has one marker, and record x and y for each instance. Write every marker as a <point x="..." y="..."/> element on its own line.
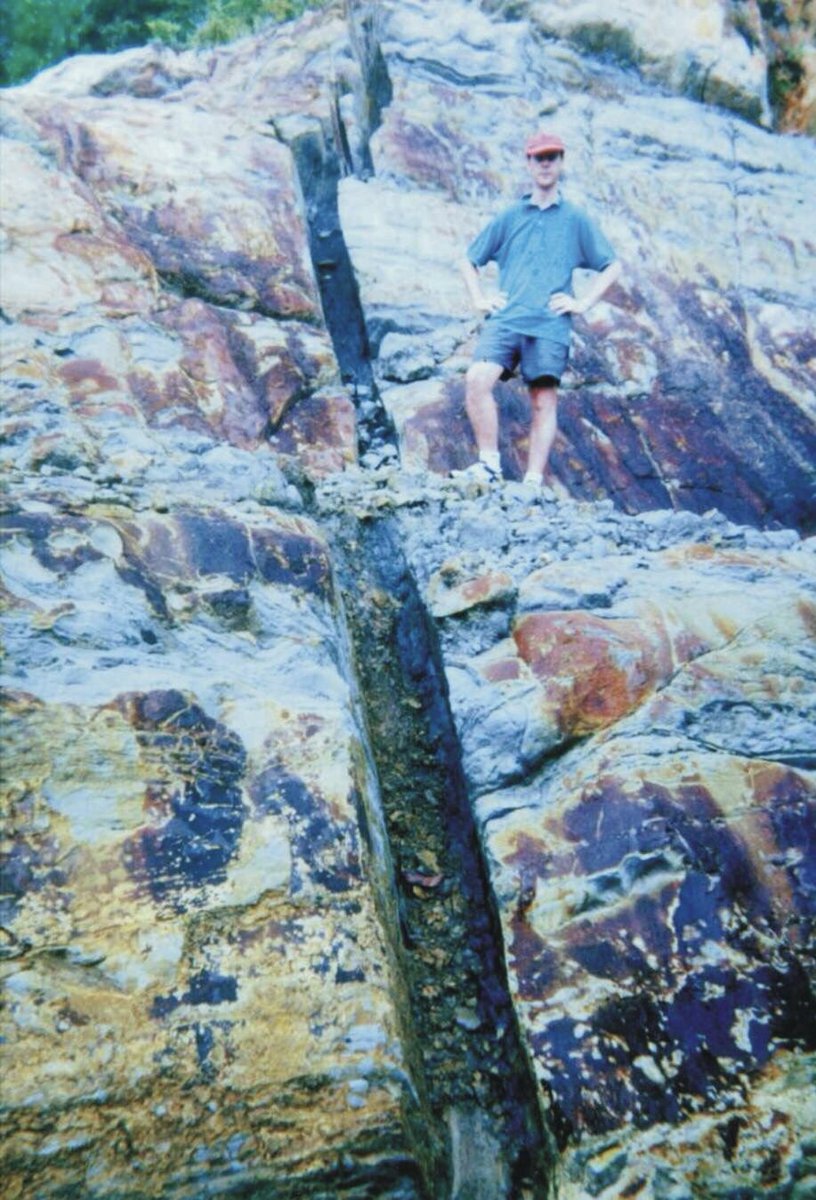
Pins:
<point x="37" y="33"/>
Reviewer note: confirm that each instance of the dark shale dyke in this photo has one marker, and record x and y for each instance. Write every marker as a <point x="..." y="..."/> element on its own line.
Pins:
<point x="487" y="1138"/>
<point x="478" y="1129"/>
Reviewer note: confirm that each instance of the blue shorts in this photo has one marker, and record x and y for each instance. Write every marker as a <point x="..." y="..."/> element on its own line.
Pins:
<point x="540" y="358"/>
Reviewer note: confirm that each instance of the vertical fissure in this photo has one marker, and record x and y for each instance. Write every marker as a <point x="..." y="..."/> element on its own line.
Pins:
<point x="478" y="1129"/>
<point x="487" y="1136"/>
<point x="323" y="156"/>
<point x="364" y="19"/>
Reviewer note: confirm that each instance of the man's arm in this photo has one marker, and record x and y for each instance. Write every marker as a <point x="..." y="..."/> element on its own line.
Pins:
<point x="562" y="302"/>
<point x="481" y="302"/>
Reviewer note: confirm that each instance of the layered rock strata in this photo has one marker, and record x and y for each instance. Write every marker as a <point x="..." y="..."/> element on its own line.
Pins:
<point x="698" y="371"/>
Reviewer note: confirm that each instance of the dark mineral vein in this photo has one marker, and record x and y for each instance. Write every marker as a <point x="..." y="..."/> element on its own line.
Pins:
<point x="483" y="1107"/>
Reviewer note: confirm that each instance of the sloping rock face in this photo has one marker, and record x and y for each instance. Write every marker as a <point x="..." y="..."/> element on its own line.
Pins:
<point x="201" y="992"/>
<point x="707" y="342"/>
<point x="637" y="728"/>
<point x="157" y="252"/>
<point x="365" y="835"/>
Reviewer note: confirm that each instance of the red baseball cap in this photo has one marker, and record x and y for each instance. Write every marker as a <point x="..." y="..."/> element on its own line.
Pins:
<point x="539" y="143"/>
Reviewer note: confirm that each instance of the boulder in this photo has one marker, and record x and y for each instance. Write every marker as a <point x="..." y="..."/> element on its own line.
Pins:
<point x="582" y="653"/>
<point x="158" y="269"/>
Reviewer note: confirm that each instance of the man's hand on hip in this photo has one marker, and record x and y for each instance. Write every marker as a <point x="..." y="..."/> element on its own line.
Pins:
<point x="562" y="302"/>
<point x="490" y="304"/>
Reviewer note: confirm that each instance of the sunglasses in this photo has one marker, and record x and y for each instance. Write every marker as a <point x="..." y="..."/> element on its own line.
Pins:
<point x="546" y="156"/>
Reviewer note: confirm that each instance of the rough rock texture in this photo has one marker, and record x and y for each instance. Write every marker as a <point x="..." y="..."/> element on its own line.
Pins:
<point x="158" y="274"/>
<point x="714" y="52"/>
<point x="366" y="835"/>
<point x="191" y="939"/>
<point x="634" y="703"/>
<point x="693" y="386"/>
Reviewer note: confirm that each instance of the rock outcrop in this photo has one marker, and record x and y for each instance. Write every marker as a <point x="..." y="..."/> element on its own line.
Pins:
<point x="193" y="949"/>
<point x="366" y="834"/>
<point x="710" y="327"/>
<point x="638" y="730"/>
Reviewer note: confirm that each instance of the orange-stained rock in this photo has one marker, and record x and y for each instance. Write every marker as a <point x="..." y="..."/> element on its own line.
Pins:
<point x="593" y="670"/>
<point x="590" y="642"/>
<point x="656" y="881"/>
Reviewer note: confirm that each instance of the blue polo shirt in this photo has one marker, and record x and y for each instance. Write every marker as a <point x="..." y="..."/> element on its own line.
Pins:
<point x="537" y="249"/>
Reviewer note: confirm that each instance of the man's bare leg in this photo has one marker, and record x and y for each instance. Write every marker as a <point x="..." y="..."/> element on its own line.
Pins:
<point x="481" y="407"/>
<point x="543" y="427"/>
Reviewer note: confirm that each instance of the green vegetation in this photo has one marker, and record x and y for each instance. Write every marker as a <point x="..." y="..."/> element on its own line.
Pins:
<point x="37" y="33"/>
<point x="786" y="74"/>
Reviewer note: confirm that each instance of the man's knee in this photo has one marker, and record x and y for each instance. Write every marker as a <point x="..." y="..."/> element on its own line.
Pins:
<point x="481" y="375"/>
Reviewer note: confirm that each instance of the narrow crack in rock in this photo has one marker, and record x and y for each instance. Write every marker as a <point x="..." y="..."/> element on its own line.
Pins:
<point x="487" y="1139"/>
<point x="323" y="155"/>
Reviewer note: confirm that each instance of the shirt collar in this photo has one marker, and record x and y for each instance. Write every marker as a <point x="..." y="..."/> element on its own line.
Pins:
<point x="528" y="200"/>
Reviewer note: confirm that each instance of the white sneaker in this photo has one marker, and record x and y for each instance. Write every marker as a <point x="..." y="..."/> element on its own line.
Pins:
<point x="534" y="486"/>
<point x="525" y="493"/>
<point x="478" y="472"/>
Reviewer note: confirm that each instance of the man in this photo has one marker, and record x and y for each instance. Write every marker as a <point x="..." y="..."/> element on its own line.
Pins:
<point x="537" y="242"/>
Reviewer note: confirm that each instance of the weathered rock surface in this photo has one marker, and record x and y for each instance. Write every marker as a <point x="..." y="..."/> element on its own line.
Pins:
<point x="198" y="987"/>
<point x="634" y="702"/>
<point x="157" y="268"/>
<point x="711" y="325"/>
<point x="713" y="52"/>
<point x="591" y="643"/>
<point x="246" y="951"/>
